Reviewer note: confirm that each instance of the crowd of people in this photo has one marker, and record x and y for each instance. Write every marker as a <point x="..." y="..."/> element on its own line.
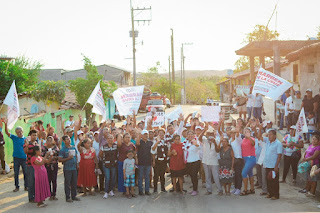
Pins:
<point x="106" y="158"/>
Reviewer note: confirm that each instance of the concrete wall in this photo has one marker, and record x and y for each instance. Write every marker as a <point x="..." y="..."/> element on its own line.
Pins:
<point x="50" y="74"/>
<point x="310" y="80"/>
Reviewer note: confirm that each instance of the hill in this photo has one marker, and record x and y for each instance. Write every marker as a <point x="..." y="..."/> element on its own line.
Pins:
<point x="197" y="73"/>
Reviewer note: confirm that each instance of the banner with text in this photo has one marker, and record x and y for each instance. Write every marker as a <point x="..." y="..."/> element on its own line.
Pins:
<point x="13" y="110"/>
<point x="301" y="126"/>
<point x="158" y="119"/>
<point x="210" y="113"/>
<point x="242" y="89"/>
<point x="174" y="115"/>
<point x="270" y="85"/>
<point x="128" y="99"/>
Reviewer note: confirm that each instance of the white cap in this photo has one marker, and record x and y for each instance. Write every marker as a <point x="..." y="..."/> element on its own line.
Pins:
<point x="79" y="132"/>
<point x="293" y="127"/>
<point x="210" y="129"/>
<point x="309" y="90"/>
<point x="96" y="132"/>
<point x="188" y="125"/>
<point x="198" y="127"/>
<point x="269" y="122"/>
<point x="184" y="129"/>
<point x="144" y="132"/>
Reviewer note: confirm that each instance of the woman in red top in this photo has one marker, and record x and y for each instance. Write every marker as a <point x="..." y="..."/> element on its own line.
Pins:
<point x="88" y="163"/>
<point x="177" y="165"/>
<point x="249" y="157"/>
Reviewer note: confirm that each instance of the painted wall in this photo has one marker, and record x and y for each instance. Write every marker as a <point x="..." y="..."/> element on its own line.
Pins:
<point x="310" y="80"/>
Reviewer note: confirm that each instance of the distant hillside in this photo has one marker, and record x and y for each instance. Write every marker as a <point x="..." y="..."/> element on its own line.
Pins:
<point x="197" y="73"/>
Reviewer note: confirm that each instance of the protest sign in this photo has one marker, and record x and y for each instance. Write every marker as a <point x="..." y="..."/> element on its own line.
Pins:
<point x="270" y="85"/>
<point x="301" y="126"/>
<point x="174" y="115"/>
<point x="13" y="110"/>
<point x="242" y="89"/>
<point x="128" y="99"/>
<point x="158" y="119"/>
<point x="210" y="113"/>
<point x="97" y="101"/>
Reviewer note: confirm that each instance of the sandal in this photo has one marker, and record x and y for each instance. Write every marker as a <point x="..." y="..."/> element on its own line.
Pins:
<point x="263" y="193"/>
<point x="134" y="195"/>
<point x="244" y="193"/>
<point x="252" y="191"/>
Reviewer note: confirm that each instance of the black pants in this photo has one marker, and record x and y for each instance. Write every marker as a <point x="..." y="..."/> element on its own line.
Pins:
<point x="101" y="177"/>
<point x="238" y="166"/>
<point x="290" y="120"/>
<point x="193" y="169"/>
<point x="159" y="170"/>
<point x="52" y="171"/>
<point x="2" y="155"/>
<point x="70" y="183"/>
<point x="290" y="161"/>
<point x="273" y="184"/>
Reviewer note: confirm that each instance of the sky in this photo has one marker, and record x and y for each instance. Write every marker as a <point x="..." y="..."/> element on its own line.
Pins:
<point x="57" y="33"/>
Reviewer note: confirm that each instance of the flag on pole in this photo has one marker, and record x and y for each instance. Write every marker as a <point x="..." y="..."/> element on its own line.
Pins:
<point x="301" y="126"/>
<point x="11" y="100"/>
<point x="97" y="101"/>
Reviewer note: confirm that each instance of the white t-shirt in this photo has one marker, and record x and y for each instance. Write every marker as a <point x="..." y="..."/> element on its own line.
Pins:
<point x="258" y="101"/>
<point x="76" y="146"/>
<point x="236" y="146"/>
<point x="191" y="152"/>
<point x="95" y="145"/>
<point x="68" y="123"/>
<point x="288" y="105"/>
<point x="210" y="156"/>
<point x="313" y="122"/>
<point x="250" y="101"/>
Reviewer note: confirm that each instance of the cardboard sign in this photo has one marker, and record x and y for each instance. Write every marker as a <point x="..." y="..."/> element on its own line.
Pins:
<point x="158" y="119"/>
<point x="210" y="113"/>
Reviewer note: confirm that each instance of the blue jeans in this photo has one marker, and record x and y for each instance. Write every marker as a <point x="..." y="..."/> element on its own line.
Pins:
<point x="257" y="111"/>
<point x="121" y="187"/>
<point x="282" y="120"/>
<point x="249" y="112"/>
<point x="17" y="162"/>
<point x="31" y="190"/>
<point x="309" y="133"/>
<point x="110" y="178"/>
<point x="144" y="172"/>
<point x="70" y="182"/>
<point x="249" y="163"/>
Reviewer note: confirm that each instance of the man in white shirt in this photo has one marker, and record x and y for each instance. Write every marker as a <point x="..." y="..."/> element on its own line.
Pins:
<point x="70" y="122"/>
<point x="289" y="109"/>
<point x="210" y="159"/>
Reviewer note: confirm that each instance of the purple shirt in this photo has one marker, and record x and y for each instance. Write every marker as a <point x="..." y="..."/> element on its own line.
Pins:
<point x="310" y="151"/>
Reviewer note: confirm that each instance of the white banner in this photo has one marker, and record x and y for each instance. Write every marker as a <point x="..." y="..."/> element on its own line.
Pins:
<point x="270" y="85"/>
<point x="97" y="101"/>
<point x="301" y="126"/>
<point x="158" y="119"/>
<point x="174" y="115"/>
<point x="210" y="113"/>
<point x="128" y="99"/>
<point x="11" y="100"/>
<point x="242" y="89"/>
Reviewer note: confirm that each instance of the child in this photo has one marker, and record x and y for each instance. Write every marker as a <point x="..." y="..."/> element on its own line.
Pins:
<point x="42" y="190"/>
<point x="128" y="173"/>
<point x="311" y="121"/>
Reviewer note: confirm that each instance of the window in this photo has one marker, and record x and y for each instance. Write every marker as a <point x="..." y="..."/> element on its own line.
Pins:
<point x="295" y="73"/>
<point x="310" y="68"/>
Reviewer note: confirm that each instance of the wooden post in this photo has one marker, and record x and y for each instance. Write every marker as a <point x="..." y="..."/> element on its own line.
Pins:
<point x="251" y="60"/>
<point x="276" y="58"/>
<point x="262" y="61"/>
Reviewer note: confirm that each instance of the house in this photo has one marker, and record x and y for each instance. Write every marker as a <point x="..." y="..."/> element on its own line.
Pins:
<point x="110" y="73"/>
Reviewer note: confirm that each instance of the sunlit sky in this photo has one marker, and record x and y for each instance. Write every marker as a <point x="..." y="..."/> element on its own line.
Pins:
<point x="57" y="32"/>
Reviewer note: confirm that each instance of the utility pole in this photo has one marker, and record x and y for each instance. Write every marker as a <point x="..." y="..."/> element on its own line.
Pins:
<point x="181" y="64"/>
<point x="134" y="34"/>
<point x="172" y="64"/>
<point x="170" y="78"/>
<point x="183" y="73"/>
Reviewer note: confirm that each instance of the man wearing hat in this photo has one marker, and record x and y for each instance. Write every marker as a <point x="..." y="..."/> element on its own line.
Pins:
<point x="70" y="122"/>
<point x="144" y="160"/>
<point x="69" y="132"/>
<point x="210" y="159"/>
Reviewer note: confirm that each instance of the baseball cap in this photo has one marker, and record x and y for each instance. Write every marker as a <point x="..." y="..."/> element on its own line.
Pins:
<point x="144" y="132"/>
<point x="188" y="125"/>
<point x="215" y="122"/>
<point x="71" y="116"/>
<point x="309" y="90"/>
<point x="69" y="130"/>
<point x="198" y="127"/>
<point x="96" y="132"/>
<point x="79" y="132"/>
<point x="210" y="130"/>
<point x="293" y="127"/>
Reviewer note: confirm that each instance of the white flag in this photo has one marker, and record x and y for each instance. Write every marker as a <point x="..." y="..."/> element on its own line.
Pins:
<point x="301" y="126"/>
<point x="97" y="101"/>
<point x="269" y="84"/>
<point x="12" y="102"/>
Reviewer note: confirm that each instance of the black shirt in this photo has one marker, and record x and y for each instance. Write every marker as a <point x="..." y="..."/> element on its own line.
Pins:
<point x="110" y="155"/>
<point x="308" y="104"/>
<point x="144" y="153"/>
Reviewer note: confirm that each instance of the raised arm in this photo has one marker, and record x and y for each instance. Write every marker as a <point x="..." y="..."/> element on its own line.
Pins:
<point x="134" y="119"/>
<point x="6" y="127"/>
<point x="180" y="129"/>
<point x="62" y="124"/>
<point x="203" y="132"/>
<point x="77" y="127"/>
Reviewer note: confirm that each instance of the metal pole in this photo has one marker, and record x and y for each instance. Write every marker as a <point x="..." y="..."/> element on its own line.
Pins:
<point x="170" y="77"/>
<point x="184" y="83"/>
<point x="133" y="47"/>
<point x="181" y="62"/>
<point x="172" y="64"/>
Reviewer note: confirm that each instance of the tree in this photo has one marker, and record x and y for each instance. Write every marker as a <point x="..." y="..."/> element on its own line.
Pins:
<point x="84" y="87"/>
<point x="49" y="91"/>
<point x="260" y="33"/>
<point x="23" y="70"/>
